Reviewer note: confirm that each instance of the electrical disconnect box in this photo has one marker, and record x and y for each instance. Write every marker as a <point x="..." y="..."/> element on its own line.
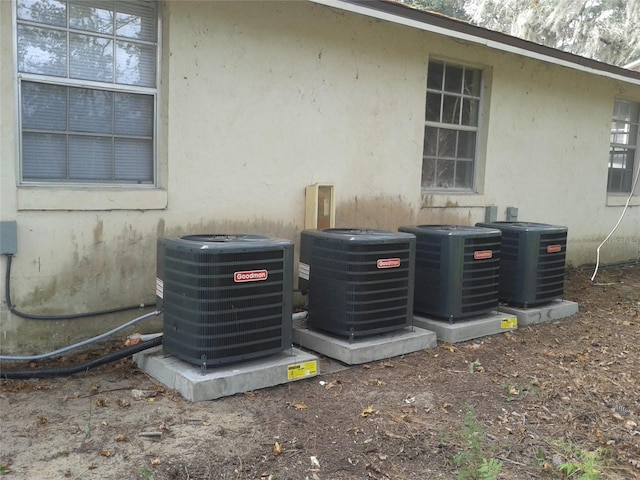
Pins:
<point x="320" y="211"/>
<point x="8" y="237"/>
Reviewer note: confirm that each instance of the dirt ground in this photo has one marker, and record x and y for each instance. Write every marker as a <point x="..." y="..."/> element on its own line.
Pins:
<point x="555" y="400"/>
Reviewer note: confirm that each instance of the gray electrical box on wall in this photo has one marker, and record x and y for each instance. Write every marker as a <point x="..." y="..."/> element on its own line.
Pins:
<point x="9" y="237"/>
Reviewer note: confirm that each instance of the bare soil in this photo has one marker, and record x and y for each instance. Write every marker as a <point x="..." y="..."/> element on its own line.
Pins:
<point x="540" y="401"/>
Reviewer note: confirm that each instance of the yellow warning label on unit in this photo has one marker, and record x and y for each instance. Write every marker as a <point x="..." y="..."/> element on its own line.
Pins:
<point x="509" y="322"/>
<point x="301" y="370"/>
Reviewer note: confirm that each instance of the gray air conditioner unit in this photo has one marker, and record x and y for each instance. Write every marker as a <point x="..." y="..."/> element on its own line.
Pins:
<point x="532" y="262"/>
<point x="360" y="282"/>
<point x="225" y="298"/>
<point x="457" y="270"/>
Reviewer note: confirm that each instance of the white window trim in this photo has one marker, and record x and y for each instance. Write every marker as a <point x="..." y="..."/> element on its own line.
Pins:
<point x="435" y="198"/>
<point x="37" y="195"/>
<point x="620" y="199"/>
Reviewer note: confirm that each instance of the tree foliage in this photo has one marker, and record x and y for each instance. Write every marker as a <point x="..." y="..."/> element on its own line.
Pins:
<point x="605" y="30"/>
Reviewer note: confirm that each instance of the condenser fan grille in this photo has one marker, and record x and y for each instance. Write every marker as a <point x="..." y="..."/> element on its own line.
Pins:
<point x="480" y="276"/>
<point x="223" y="304"/>
<point x="361" y="286"/>
<point x="532" y="265"/>
<point x="457" y="270"/>
<point x="551" y="266"/>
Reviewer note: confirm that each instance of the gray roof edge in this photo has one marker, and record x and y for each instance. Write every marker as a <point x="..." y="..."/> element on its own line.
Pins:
<point x="441" y="24"/>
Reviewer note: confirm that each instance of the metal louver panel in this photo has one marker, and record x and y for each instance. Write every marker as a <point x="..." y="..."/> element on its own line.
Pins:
<point x="532" y="267"/>
<point x="225" y="298"/>
<point x="360" y="282"/>
<point x="457" y="270"/>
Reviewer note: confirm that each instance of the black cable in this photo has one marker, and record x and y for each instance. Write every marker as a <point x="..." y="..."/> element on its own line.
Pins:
<point x="83" y="367"/>
<point x="71" y="316"/>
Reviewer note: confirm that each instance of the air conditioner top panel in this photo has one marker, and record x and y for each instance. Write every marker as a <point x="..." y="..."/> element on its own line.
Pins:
<point x="226" y="242"/>
<point x="524" y="227"/>
<point x="452" y="230"/>
<point x="358" y="235"/>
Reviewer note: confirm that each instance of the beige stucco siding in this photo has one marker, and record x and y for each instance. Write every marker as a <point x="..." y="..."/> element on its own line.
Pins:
<point x="260" y="99"/>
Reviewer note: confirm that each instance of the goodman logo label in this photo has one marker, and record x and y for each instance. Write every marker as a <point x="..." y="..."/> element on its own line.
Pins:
<point x="250" y="276"/>
<point x="482" y="254"/>
<point x="388" y="263"/>
<point x="554" y="248"/>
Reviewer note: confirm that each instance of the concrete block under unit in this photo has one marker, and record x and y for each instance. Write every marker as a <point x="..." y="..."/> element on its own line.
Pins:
<point x="223" y="381"/>
<point x="554" y="310"/>
<point x="364" y="349"/>
<point x="461" y="331"/>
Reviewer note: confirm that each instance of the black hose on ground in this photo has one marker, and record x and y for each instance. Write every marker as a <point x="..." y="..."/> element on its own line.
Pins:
<point x="83" y="367"/>
<point x="71" y="316"/>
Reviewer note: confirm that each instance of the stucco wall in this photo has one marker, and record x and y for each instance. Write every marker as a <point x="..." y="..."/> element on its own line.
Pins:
<point x="259" y="100"/>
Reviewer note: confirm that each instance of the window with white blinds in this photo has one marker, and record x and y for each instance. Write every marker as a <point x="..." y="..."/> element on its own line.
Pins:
<point x="87" y="78"/>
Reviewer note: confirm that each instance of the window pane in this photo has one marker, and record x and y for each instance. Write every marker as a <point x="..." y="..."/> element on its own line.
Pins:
<point x="470" y="108"/>
<point x="451" y="109"/>
<point x="436" y="73"/>
<point x="429" y="173"/>
<point x="446" y="143"/>
<point x="91" y="58"/>
<point x="430" y="141"/>
<point x="445" y="174"/>
<point x="134" y="160"/>
<point x="42" y="51"/>
<point x="433" y="107"/>
<point x="134" y="114"/>
<point x="44" y="107"/>
<point x="90" y="110"/>
<point x="136" y="20"/>
<point x="44" y="156"/>
<point x="135" y="64"/>
<point x="92" y="16"/>
<point x="472" y="82"/>
<point x="49" y="12"/>
<point x="466" y="145"/>
<point x="464" y="174"/>
<point x="90" y="158"/>
<point x="453" y="79"/>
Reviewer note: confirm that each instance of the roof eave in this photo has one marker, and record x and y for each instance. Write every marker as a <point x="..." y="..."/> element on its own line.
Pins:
<point x="442" y="25"/>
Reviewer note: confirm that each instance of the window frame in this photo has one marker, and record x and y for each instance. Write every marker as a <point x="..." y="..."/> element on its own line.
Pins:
<point x="110" y="87"/>
<point x="478" y="130"/>
<point x="626" y="147"/>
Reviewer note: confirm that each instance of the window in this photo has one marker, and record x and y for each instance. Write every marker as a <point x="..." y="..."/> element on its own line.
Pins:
<point x="451" y="127"/>
<point x="87" y="86"/>
<point x="624" y="143"/>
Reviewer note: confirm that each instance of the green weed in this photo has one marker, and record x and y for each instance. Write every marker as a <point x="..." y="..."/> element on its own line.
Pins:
<point x="471" y="461"/>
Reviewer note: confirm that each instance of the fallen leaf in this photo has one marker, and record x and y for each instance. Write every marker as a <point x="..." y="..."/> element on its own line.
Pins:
<point x="314" y="462"/>
<point x="367" y="411"/>
<point x="155" y="461"/>
<point x="448" y="346"/>
<point x="101" y="402"/>
<point x="105" y="453"/>
<point x="121" y="438"/>
<point x="299" y="406"/>
<point x="277" y="449"/>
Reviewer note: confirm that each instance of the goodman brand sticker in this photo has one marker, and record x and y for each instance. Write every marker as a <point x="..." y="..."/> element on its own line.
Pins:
<point x="388" y="263"/>
<point x="482" y="254"/>
<point x="554" y="248"/>
<point x="250" y="276"/>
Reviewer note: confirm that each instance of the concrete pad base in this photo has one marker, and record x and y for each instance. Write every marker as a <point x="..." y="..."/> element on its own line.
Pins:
<point x="554" y="310"/>
<point x="467" y="329"/>
<point x="364" y="349"/>
<point x="226" y="380"/>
